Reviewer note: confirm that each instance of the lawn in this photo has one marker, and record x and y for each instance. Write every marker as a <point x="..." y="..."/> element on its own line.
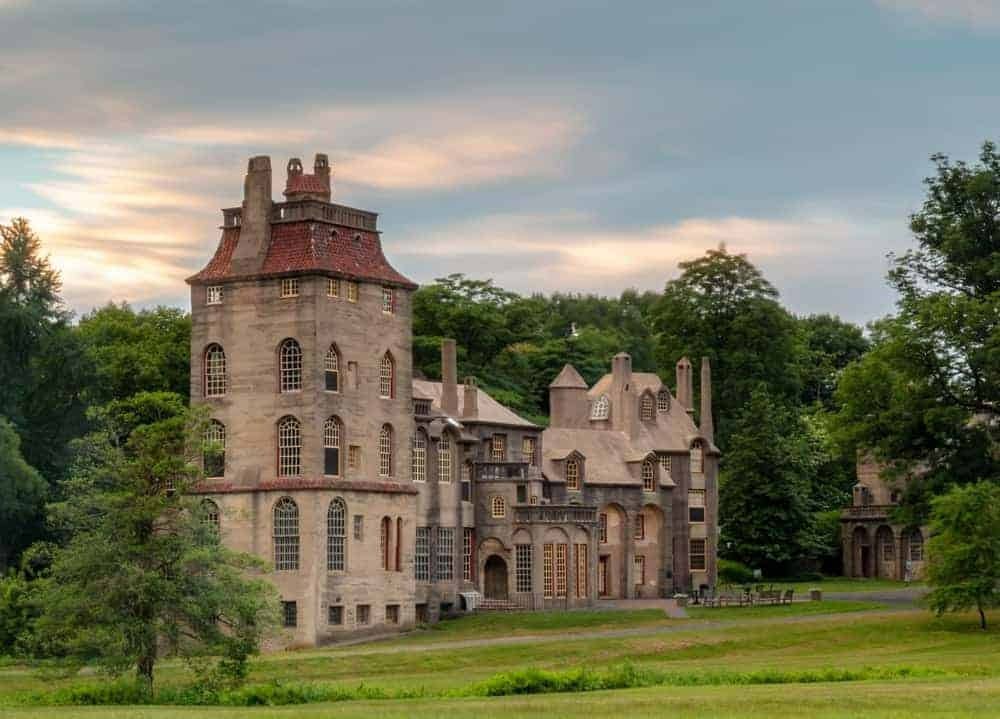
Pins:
<point x="964" y="661"/>
<point x="842" y="584"/>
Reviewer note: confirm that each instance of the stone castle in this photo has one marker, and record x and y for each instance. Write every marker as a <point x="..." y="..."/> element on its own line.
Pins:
<point x="384" y="500"/>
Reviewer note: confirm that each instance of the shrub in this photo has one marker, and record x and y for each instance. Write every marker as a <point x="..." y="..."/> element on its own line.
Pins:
<point x="733" y="572"/>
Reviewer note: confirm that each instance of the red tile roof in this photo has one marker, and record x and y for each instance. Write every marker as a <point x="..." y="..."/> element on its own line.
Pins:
<point x="309" y="247"/>
<point x="311" y="184"/>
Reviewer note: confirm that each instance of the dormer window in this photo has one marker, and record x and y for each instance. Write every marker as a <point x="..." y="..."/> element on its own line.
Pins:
<point x="697" y="457"/>
<point x="573" y="475"/>
<point x="290" y="287"/>
<point x="601" y="409"/>
<point x="213" y="295"/>
<point x="647" y="409"/>
<point x="663" y="401"/>
<point x="648" y="476"/>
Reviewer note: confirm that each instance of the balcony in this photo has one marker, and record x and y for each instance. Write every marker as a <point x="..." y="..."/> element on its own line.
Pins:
<point x="869" y="511"/>
<point x="555" y="514"/>
<point x="501" y="471"/>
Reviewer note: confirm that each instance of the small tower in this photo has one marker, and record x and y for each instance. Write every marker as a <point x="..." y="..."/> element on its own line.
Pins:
<point x="568" y="404"/>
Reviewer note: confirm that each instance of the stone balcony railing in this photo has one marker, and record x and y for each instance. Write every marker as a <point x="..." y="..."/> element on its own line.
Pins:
<point x="555" y="514"/>
<point x="868" y="511"/>
<point x="501" y="471"/>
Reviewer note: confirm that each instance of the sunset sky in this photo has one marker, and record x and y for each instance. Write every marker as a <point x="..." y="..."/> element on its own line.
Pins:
<point x="585" y="146"/>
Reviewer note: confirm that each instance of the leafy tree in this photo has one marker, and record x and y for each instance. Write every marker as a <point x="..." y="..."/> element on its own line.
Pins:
<point x="142" y="572"/>
<point x="964" y="550"/>
<point x="22" y="494"/>
<point x="722" y="307"/>
<point x="830" y="345"/>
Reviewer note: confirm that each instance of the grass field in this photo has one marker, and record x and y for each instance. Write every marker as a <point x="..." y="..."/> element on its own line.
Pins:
<point x="964" y="664"/>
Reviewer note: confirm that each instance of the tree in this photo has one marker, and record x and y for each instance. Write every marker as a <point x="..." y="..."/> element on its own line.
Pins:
<point x="722" y="307"/>
<point x="830" y="345"/>
<point x="141" y="570"/>
<point x="964" y="550"/>
<point x="22" y="495"/>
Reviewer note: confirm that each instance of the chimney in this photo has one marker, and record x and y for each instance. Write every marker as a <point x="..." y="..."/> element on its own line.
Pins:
<point x="470" y="403"/>
<point x="449" y="378"/>
<point x="707" y="425"/>
<point x="321" y="168"/>
<point x="685" y="390"/>
<point x="255" y="225"/>
<point x="294" y="167"/>
<point x="621" y="370"/>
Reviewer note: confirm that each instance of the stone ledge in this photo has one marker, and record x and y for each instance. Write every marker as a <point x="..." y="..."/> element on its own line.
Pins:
<point x="292" y="485"/>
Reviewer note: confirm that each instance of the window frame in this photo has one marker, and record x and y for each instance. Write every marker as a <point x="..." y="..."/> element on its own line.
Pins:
<point x="215" y="382"/>
<point x="214" y="295"/>
<point x="336" y="536"/>
<point x="388" y="301"/>
<point x="331" y="369"/>
<point x="498" y="507"/>
<point x="333" y="287"/>
<point x="289" y="287"/>
<point x="289" y="453"/>
<point x="573" y="475"/>
<point x="290" y="366"/>
<point x="385" y="452"/>
<point x="286" y="535"/>
<point x="702" y="566"/>
<point x="333" y="437"/>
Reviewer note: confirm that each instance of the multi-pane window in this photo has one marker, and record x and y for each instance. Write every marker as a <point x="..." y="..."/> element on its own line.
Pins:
<point x="213" y="295"/>
<point x="697" y="457"/>
<point x="548" y="575"/>
<point x="498" y="507"/>
<point x="444" y="458"/>
<point x="468" y="544"/>
<point x="211" y="515"/>
<point x="522" y="567"/>
<point x="916" y="546"/>
<point x="419" y="456"/>
<point x="560" y="574"/>
<point x="289" y="447"/>
<point x="697" y="555"/>
<point x="388" y="300"/>
<point x="332" y="287"/>
<point x="386" y="377"/>
<point x="385" y="451"/>
<point x="385" y="543"/>
<point x="665" y="465"/>
<point x="421" y="406"/>
<point x="888" y="547"/>
<point x="602" y="531"/>
<point x="363" y="612"/>
<point x="572" y="474"/>
<point x="290" y="366"/>
<point x="422" y="555"/>
<point x="640" y="569"/>
<point x="332" y="431"/>
<point x="663" y="401"/>
<point x="392" y="614"/>
<point x="352" y="291"/>
<point x="290" y="614"/>
<point x="528" y="446"/>
<point x="648" y="476"/>
<point x="445" y="553"/>
<point x="336" y="536"/>
<point x="647" y="407"/>
<point x="581" y="571"/>
<point x="640" y="526"/>
<point x="696" y="505"/>
<point x="354" y="457"/>
<point x="359" y="527"/>
<point x="331" y="370"/>
<point x="215" y="371"/>
<point x="601" y="409"/>
<point x="498" y="448"/>
<point x="290" y="287"/>
<point x="214" y="455"/>
<point x="286" y="535"/>
<point x="335" y="615"/>
<point x="467" y="481"/>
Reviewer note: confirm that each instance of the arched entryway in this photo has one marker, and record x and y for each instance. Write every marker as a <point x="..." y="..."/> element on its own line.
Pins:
<point x="495" y="578"/>
<point x="862" y="551"/>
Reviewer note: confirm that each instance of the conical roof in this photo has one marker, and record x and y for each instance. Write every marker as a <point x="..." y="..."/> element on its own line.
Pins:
<point x="569" y="378"/>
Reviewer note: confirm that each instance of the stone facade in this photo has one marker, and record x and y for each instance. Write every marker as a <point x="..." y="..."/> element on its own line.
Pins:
<point x="379" y="498"/>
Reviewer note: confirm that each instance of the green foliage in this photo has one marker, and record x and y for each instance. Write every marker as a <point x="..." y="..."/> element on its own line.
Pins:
<point x="22" y="494"/>
<point x="830" y="345"/>
<point x="964" y="550"/>
<point x="733" y="572"/>
<point x="16" y="611"/>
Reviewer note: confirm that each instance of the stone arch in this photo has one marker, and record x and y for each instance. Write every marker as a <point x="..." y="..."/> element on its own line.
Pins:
<point x="496" y="578"/>
<point x="862" y="561"/>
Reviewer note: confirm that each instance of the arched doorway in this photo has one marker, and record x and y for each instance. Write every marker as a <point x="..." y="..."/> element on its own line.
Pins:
<point x="862" y="551"/>
<point x="495" y="578"/>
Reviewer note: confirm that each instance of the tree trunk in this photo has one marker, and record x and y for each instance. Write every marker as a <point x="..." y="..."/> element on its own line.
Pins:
<point x="982" y="616"/>
<point x="144" y="670"/>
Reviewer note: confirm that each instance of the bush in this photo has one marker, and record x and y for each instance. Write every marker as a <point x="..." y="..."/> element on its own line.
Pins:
<point x="733" y="572"/>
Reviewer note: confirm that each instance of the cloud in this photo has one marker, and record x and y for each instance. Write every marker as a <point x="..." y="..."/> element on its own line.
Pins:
<point x="977" y="13"/>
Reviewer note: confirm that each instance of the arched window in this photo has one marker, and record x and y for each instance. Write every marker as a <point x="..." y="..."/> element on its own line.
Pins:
<point x="663" y="401"/>
<point x="419" y="456"/>
<point x="215" y="371"/>
<point x="648" y="476"/>
<point x="572" y="474"/>
<point x="387" y="377"/>
<point x="601" y="409"/>
<point x="385" y="543"/>
<point x="286" y="534"/>
<point x="336" y="536"/>
<point x="916" y="546"/>
<point x="331" y="369"/>
<point x="289" y="366"/>
<point x="385" y="451"/>
<point x="214" y="454"/>
<point x="444" y="458"/>
<point x="332" y="430"/>
<point x="498" y="507"/>
<point x="697" y="457"/>
<point x="211" y="515"/>
<point x="647" y="408"/>
<point x="289" y="447"/>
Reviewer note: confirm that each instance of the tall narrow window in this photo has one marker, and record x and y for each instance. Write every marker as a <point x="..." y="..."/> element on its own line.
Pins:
<point x="548" y="571"/>
<point x="601" y="409"/>
<point x="581" y="571"/>
<point x="522" y="567"/>
<point x="697" y="457"/>
<point x="445" y="553"/>
<point x="422" y="555"/>
<point x="467" y="481"/>
<point x="640" y="526"/>
<point x="289" y="447"/>
<point x="648" y="476"/>
<point x="697" y="555"/>
<point x="444" y="458"/>
<point x="498" y="448"/>
<point x="352" y="291"/>
<point x="290" y="366"/>
<point x="498" y="507"/>
<point x="290" y="287"/>
<point x="385" y="451"/>
<point x="332" y="430"/>
<point x="211" y="515"/>
<point x="336" y="536"/>
<point x="332" y="287"/>
<point x="602" y="523"/>
<point x="665" y="465"/>
<point x="215" y="371"/>
<point x="696" y="505"/>
<point x="399" y="544"/>
<point x="640" y="569"/>
<point x="561" y="562"/>
<point x="214" y="458"/>
<point x="286" y="535"/>
<point x="385" y="543"/>
<point x="419" y="469"/>
<point x="468" y="545"/>
<point x="331" y="370"/>
<point x="916" y="546"/>
<point x="647" y="408"/>
<point x="663" y="401"/>
<point x="388" y="300"/>
<point x="354" y="457"/>
<point x="386" y="377"/>
<point x="572" y="475"/>
<point x="528" y="445"/>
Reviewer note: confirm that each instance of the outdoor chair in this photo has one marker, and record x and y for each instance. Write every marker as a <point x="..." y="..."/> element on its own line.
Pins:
<point x="786" y="598"/>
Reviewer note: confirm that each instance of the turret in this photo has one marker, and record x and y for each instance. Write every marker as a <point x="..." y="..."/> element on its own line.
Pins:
<point x="568" y="403"/>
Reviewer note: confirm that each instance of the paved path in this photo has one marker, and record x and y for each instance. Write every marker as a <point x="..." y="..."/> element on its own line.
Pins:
<point x="908" y="596"/>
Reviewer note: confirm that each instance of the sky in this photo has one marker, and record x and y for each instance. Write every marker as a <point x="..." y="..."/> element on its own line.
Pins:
<point x="551" y="145"/>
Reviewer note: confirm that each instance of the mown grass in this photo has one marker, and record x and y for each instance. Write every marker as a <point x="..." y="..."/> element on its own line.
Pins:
<point x="842" y="584"/>
<point x="767" y="611"/>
